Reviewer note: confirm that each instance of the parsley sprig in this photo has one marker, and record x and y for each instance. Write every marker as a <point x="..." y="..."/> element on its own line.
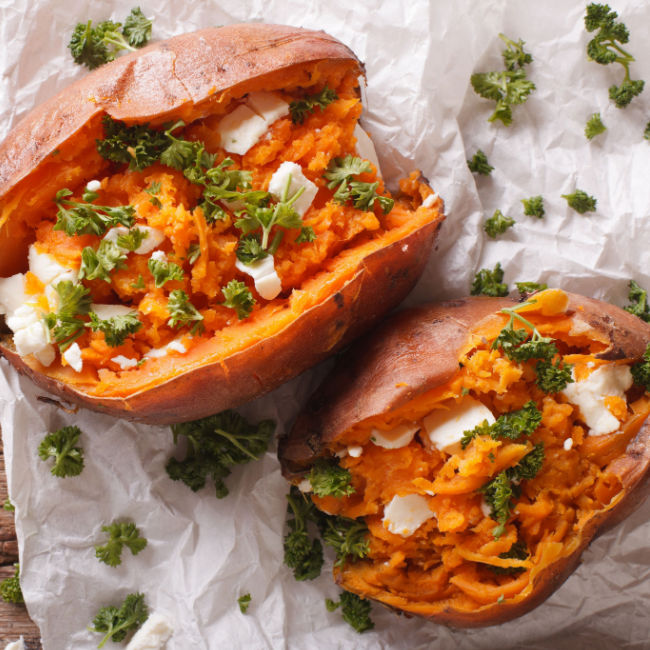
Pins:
<point x="355" y="610"/>
<point x="328" y="478"/>
<point x="301" y="108"/>
<point x="504" y="487"/>
<point x="641" y="371"/>
<point x="164" y="271"/>
<point x="479" y="164"/>
<point x="489" y="282"/>
<point x="348" y="537"/>
<point x="340" y="172"/>
<point x="120" y="534"/>
<point x="85" y="218"/>
<point x="93" y="46"/>
<point x="594" y="126"/>
<point x="534" y="206"/>
<point x="302" y="554"/>
<point x="508" y="87"/>
<point x="115" y="328"/>
<point x="116" y="622"/>
<point x="638" y="298"/>
<point x="10" y="590"/>
<point x="605" y="48"/>
<point x="580" y="201"/>
<point x="62" y="446"/>
<point x="97" y="264"/>
<point x="182" y="312"/>
<point x="65" y="325"/>
<point x="239" y="297"/>
<point x="214" y="445"/>
<point x="497" y="224"/>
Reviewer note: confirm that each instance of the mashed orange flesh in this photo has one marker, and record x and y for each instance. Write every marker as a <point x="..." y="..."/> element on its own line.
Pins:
<point x="448" y="561"/>
<point x="309" y="272"/>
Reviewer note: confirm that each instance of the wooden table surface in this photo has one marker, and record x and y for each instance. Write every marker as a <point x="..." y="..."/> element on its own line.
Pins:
<point x="14" y="620"/>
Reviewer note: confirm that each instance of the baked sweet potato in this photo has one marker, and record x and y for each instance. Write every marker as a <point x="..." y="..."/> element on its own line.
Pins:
<point x="236" y="154"/>
<point x="484" y="449"/>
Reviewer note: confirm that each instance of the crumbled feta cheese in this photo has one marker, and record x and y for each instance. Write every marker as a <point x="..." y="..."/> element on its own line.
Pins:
<point x="404" y="515"/>
<point x="47" y="269"/>
<point x="430" y="200"/>
<point x="268" y="106"/>
<point x="159" y="256"/>
<point x="176" y="346"/>
<point x="124" y="362"/>
<point x="446" y="427"/>
<point x="46" y="355"/>
<point x="16" y="645"/>
<point x="366" y="148"/>
<point x="267" y="281"/>
<point x="400" y="436"/>
<point x="73" y="357"/>
<point x="154" y="237"/>
<point x="305" y="485"/>
<point x="568" y="443"/>
<point x="153" y="635"/>
<point x="289" y="172"/>
<point x="341" y="453"/>
<point x="355" y="451"/>
<point x="93" y="186"/>
<point x="31" y="335"/>
<point x="589" y="396"/>
<point x="485" y="508"/>
<point x="12" y="293"/>
<point x="241" y="129"/>
<point x="104" y="312"/>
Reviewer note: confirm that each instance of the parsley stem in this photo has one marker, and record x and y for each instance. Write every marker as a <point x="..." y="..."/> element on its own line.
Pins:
<point x="235" y="442"/>
<point x="277" y="239"/>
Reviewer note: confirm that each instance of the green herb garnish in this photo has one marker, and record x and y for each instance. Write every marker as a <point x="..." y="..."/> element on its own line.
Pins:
<point x="115" y="623"/>
<point x="489" y="283"/>
<point x="183" y="312"/>
<point x="355" y="610"/>
<point x="534" y="207"/>
<point x="580" y="201"/>
<point x="61" y="445"/>
<point x="120" y="534"/>
<point x="594" y="127"/>
<point x="301" y="108"/>
<point x="65" y="325"/>
<point x="328" y="478"/>
<point x="497" y="224"/>
<point x="115" y="328"/>
<point x="479" y="164"/>
<point x="302" y="554"/>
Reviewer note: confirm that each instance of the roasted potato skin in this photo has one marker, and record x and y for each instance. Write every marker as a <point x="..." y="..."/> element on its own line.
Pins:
<point x="182" y="78"/>
<point x="417" y="350"/>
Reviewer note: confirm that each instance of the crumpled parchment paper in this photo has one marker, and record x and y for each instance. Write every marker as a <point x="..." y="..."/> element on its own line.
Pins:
<point x="204" y="553"/>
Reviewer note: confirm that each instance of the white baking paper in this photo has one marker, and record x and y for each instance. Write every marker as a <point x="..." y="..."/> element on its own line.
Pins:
<point x="204" y="553"/>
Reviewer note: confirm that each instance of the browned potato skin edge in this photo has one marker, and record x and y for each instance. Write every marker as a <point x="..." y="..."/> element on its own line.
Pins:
<point x="406" y="342"/>
<point x="189" y="69"/>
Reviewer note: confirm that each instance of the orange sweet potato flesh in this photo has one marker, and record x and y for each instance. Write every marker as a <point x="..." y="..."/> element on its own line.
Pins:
<point x="409" y="366"/>
<point x="194" y="77"/>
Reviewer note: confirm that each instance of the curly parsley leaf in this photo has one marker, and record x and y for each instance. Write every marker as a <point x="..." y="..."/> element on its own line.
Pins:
<point x="641" y="370"/>
<point x="497" y="224"/>
<point x="214" y="445"/>
<point x="489" y="282"/>
<point x="526" y="288"/>
<point x="115" y="623"/>
<point x="307" y="234"/>
<point x="301" y="108"/>
<point x="8" y="506"/>
<point x="86" y="218"/>
<point x="132" y="240"/>
<point x="244" y="603"/>
<point x="498" y="495"/>
<point x="605" y="48"/>
<point x="302" y="554"/>
<point x="530" y="465"/>
<point x="514" y="56"/>
<point x="355" y="610"/>
<point x="479" y="164"/>
<point x="164" y="271"/>
<point x="10" y="590"/>
<point x="250" y="249"/>
<point x="341" y="170"/>
<point x="98" y="264"/>
<point x="115" y="328"/>
<point x="182" y="312"/>
<point x="137" y="145"/>
<point x="238" y="297"/>
<point x="594" y="126"/>
<point x="509" y="426"/>
<point x="153" y="190"/>
<point x="137" y="28"/>
<point x="553" y="377"/>
<point x="65" y="325"/>
<point x="348" y="537"/>
<point x="638" y="298"/>
<point x="580" y="201"/>
<point x="61" y="445"/>
<point x="328" y="478"/>
<point x="534" y="206"/>
<point x="120" y="534"/>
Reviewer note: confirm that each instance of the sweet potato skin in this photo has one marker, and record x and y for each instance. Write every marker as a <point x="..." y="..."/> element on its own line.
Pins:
<point x="400" y="352"/>
<point x="184" y="77"/>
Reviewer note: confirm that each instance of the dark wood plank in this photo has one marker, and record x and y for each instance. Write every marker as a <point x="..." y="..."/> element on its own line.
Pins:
<point x="14" y="620"/>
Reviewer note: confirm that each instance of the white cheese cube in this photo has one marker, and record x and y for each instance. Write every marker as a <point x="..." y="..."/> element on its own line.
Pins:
<point x="404" y="515"/>
<point x="268" y="106"/>
<point x="267" y="281"/>
<point x="47" y="269"/>
<point x="93" y="186"/>
<point x="355" y="451"/>
<point x="176" y="346"/>
<point x="398" y="437"/>
<point x="290" y="174"/>
<point x="73" y="357"/>
<point x="153" y="635"/>
<point x="12" y="293"/>
<point x="104" y="312"/>
<point x="446" y="427"/>
<point x="156" y="353"/>
<point x="124" y="362"/>
<point x="305" y="485"/>
<point x="568" y="443"/>
<point x="159" y="256"/>
<point x="240" y="130"/>
<point x="47" y="355"/>
<point x="23" y="317"/>
<point x="430" y="200"/>
<point x="589" y="396"/>
<point x="366" y="148"/>
<point x="154" y="237"/>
